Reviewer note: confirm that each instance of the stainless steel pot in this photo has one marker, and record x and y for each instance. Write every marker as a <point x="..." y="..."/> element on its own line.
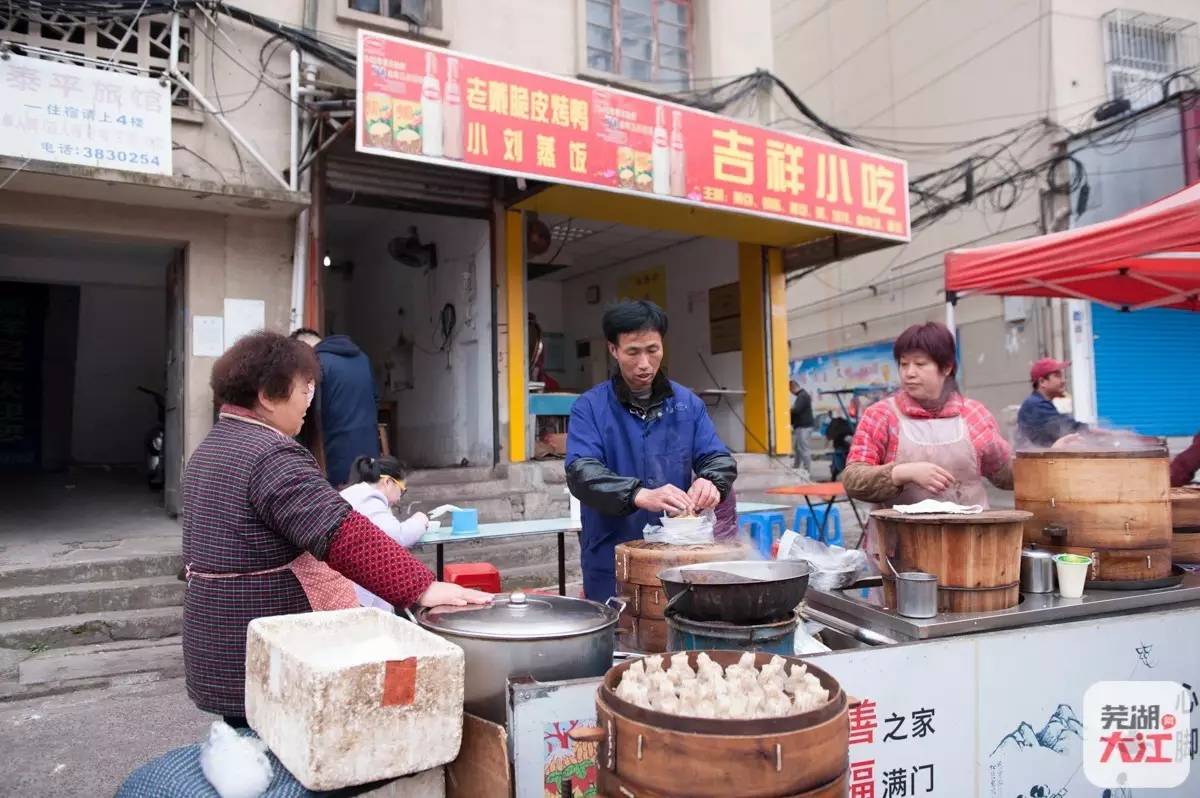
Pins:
<point x="1037" y="571"/>
<point x="547" y="637"/>
<point x="916" y="594"/>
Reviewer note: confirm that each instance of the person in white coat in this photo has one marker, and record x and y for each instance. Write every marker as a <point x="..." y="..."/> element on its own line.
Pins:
<point x="376" y="485"/>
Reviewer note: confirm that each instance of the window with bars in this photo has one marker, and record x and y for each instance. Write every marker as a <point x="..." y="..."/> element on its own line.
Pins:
<point x="141" y="44"/>
<point x="1142" y="51"/>
<point x="418" y="13"/>
<point x="649" y="41"/>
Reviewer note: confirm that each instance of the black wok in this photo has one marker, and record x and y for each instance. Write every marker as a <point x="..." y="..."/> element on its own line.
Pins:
<point x="741" y="591"/>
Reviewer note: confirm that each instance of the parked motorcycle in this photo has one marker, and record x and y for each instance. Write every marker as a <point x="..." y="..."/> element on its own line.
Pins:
<point x="155" y="437"/>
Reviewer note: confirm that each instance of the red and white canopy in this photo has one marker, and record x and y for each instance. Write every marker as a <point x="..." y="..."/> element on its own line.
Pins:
<point x="1147" y="258"/>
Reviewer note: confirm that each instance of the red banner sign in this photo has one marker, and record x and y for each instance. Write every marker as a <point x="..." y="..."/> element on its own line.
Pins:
<point x="429" y="104"/>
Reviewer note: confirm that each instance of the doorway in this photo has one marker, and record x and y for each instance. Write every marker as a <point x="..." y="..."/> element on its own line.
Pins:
<point x="90" y="342"/>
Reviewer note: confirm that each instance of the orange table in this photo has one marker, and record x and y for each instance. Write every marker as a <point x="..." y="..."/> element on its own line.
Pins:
<point x="830" y="491"/>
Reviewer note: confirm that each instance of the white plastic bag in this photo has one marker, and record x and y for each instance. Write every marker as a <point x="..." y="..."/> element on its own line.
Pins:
<point x="701" y="532"/>
<point x="830" y="562"/>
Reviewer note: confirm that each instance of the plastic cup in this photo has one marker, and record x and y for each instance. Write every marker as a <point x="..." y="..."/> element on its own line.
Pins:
<point x="1072" y="573"/>
<point x="464" y="522"/>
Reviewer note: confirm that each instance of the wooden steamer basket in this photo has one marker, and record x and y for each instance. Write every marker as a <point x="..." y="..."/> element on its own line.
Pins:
<point x="1185" y="520"/>
<point x="976" y="558"/>
<point x="1112" y="506"/>
<point x="637" y="566"/>
<point x="644" y="753"/>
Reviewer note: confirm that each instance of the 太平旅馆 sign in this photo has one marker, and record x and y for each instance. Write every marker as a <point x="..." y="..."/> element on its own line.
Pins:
<point x="88" y="117"/>
<point x="426" y="103"/>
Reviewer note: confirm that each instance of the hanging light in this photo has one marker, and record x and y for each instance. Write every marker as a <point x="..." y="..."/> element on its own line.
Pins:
<point x="328" y="261"/>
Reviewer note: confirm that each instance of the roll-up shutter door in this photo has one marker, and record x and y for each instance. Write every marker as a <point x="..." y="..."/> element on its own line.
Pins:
<point x="409" y="185"/>
<point x="1148" y="370"/>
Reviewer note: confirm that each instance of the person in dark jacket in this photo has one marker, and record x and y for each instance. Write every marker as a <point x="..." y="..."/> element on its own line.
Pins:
<point x="639" y="446"/>
<point x="347" y="405"/>
<point x="1185" y="464"/>
<point x="802" y="427"/>
<point x="1039" y="423"/>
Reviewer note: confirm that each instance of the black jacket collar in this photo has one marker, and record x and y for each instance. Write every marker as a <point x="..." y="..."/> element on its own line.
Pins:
<point x="660" y="391"/>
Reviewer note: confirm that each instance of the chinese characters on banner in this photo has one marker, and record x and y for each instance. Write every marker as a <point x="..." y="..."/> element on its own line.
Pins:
<point x="422" y="102"/>
<point x="870" y="778"/>
<point x="72" y="114"/>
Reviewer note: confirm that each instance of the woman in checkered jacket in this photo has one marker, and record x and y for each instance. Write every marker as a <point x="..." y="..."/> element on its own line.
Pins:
<point x="264" y="533"/>
<point x="927" y="441"/>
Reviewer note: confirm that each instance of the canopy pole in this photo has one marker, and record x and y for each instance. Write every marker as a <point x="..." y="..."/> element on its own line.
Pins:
<point x="951" y="301"/>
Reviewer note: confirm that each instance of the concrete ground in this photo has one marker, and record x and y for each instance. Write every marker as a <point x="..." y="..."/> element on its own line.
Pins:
<point x="84" y="744"/>
<point x="82" y="505"/>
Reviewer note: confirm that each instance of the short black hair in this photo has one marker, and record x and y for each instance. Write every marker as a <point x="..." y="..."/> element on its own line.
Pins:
<point x="639" y="315"/>
<point x="304" y="331"/>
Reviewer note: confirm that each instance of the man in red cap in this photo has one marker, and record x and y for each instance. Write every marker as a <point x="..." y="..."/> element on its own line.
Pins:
<point x="1039" y="423"/>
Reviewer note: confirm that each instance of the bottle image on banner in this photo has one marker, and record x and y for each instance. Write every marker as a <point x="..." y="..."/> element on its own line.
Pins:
<point x="431" y="109"/>
<point x="452" y="120"/>
<point x="660" y="155"/>
<point x="678" y="156"/>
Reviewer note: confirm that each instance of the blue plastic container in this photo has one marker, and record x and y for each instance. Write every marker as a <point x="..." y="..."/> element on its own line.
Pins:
<point x="464" y="522"/>
<point x="684" y="634"/>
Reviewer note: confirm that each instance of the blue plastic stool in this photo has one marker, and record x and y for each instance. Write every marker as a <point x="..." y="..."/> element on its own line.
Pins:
<point x="762" y="528"/>
<point x="812" y="524"/>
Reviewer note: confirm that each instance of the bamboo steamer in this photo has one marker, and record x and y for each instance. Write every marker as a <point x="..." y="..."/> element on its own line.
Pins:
<point x="1185" y="547"/>
<point x="976" y="558"/>
<point x="638" y="564"/>
<point x="1185" y="509"/>
<point x="1112" y="506"/>
<point x="650" y="754"/>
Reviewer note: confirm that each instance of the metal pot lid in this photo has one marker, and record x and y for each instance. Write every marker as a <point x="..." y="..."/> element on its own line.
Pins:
<point x="519" y="616"/>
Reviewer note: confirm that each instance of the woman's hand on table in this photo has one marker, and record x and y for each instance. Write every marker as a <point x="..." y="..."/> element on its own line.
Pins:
<point x="667" y="499"/>
<point x="447" y="593"/>
<point x="927" y="476"/>
<point x="421" y="520"/>
<point x="704" y="494"/>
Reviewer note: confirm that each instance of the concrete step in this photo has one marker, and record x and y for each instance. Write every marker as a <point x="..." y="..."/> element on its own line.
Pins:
<point x="51" y="601"/>
<point x="91" y="628"/>
<point x="112" y="569"/>
<point x="164" y="657"/>
<point x="456" y="476"/>
<point x="460" y="493"/>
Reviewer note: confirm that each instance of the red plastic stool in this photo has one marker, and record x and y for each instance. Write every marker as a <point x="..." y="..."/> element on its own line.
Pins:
<point x="476" y="575"/>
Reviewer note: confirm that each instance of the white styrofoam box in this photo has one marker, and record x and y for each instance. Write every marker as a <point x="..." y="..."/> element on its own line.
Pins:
<point x="426" y="784"/>
<point x="349" y="697"/>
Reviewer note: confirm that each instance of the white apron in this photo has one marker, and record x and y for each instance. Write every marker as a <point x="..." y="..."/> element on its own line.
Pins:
<point x="944" y="442"/>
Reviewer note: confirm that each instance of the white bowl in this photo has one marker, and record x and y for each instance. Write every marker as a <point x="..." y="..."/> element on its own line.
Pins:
<point x="434" y="526"/>
<point x="680" y="523"/>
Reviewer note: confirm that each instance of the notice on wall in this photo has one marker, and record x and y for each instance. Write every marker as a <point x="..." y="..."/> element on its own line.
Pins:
<point x="243" y="316"/>
<point x="725" y="318"/>
<point x="71" y="114"/>
<point x="208" y="336"/>
<point x="648" y="284"/>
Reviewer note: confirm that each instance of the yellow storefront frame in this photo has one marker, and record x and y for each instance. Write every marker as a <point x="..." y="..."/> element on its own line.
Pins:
<point x="761" y="280"/>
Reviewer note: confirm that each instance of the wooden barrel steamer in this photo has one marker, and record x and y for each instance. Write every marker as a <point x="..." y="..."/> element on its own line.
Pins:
<point x="650" y="754"/>
<point x="638" y="564"/>
<point x="1185" y="520"/>
<point x="976" y="558"/>
<point x="1112" y="506"/>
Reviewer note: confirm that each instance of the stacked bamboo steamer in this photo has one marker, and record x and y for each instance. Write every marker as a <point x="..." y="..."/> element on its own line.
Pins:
<point x="638" y="564"/>
<point x="1185" y="521"/>
<point x="1113" y="506"/>
<point x="645" y="752"/>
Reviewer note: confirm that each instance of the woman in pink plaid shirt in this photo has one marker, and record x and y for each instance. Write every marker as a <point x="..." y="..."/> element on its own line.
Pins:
<point x="927" y="441"/>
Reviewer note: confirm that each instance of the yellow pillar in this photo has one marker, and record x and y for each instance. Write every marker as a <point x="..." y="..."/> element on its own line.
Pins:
<point x="515" y="319"/>
<point x="764" y="349"/>
<point x="776" y="297"/>
<point x="754" y="353"/>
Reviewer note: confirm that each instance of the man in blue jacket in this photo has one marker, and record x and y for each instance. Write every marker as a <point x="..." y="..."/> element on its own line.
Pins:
<point x="634" y="444"/>
<point x="346" y="402"/>
<point x="1039" y="424"/>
